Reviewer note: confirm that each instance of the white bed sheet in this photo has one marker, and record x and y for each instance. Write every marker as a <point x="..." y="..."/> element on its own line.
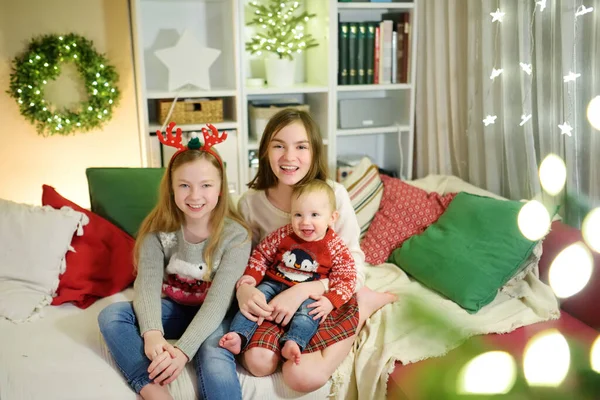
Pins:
<point x="62" y="356"/>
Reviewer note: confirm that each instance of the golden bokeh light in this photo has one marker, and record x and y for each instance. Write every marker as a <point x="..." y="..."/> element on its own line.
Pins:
<point x="534" y="220"/>
<point x="553" y="174"/>
<point x="591" y="229"/>
<point x="593" y="112"/>
<point x="547" y="359"/>
<point x="595" y="355"/>
<point x="571" y="270"/>
<point x="493" y="372"/>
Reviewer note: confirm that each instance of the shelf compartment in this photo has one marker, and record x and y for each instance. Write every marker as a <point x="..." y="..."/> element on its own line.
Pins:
<point x="376" y="6"/>
<point x="223" y="125"/>
<point x="379" y="86"/>
<point x="184" y="94"/>
<point x="298" y="88"/>
<point x="373" y="131"/>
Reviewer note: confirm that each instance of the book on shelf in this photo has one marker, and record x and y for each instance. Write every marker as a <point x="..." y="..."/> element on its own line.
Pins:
<point x="353" y="53"/>
<point x="343" y="75"/>
<point x="375" y="52"/>
<point x="361" y="54"/>
<point x="370" y="52"/>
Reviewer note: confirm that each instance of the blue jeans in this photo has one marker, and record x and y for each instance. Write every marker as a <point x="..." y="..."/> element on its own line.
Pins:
<point x="301" y="329"/>
<point x="121" y="332"/>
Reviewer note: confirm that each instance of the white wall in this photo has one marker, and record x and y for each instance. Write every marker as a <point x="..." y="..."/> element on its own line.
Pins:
<point x="28" y="160"/>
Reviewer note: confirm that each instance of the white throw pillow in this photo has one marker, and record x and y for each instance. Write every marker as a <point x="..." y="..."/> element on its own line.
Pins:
<point x="33" y="244"/>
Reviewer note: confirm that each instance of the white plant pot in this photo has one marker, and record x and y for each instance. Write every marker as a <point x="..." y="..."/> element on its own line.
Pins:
<point x="280" y="72"/>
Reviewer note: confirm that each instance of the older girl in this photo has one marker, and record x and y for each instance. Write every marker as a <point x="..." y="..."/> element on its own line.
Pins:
<point x="291" y="153"/>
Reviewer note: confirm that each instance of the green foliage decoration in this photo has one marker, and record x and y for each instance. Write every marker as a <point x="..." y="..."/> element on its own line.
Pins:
<point x="282" y="29"/>
<point x="41" y="63"/>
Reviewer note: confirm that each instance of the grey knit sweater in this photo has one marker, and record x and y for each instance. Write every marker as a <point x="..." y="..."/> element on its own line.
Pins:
<point x="160" y="249"/>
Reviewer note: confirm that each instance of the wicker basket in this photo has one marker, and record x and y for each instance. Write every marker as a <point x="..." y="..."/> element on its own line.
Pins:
<point x="191" y="111"/>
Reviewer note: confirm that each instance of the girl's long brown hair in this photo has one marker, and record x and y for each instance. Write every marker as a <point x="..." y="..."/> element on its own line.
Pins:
<point x="167" y="217"/>
<point x="265" y="178"/>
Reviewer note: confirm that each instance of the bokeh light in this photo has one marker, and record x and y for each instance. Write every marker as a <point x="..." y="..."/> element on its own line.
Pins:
<point x="547" y="359"/>
<point x="595" y="355"/>
<point x="571" y="270"/>
<point x="593" y="112"/>
<point x="534" y="220"/>
<point x="553" y="174"/>
<point x="493" y="372"/>
<point x="591" y="229"/>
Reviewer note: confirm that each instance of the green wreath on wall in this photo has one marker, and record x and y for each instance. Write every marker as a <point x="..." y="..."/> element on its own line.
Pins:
<point x="41" y="63"/>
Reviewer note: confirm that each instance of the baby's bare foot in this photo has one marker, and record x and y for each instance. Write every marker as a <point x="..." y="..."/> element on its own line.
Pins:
<point x="232" y="342"/>
<point x="291" y="351"/>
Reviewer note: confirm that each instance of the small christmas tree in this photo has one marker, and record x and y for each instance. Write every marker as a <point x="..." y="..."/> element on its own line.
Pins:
<point x="283" y="32"/>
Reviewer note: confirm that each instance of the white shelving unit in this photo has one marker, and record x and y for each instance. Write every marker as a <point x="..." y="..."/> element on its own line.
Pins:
<point x="221" y="24"/>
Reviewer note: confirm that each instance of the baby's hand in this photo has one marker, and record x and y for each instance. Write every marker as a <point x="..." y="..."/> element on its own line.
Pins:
<point x="321" y="307"/>
<point x="245" y="280"/>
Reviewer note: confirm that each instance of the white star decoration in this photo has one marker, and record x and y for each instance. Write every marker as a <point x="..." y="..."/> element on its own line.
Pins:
<point x="542" y="4"/>
<point x="583" y="10"/>
<point x="571" y="77"/>
<point x="497" y="15"/>
<point x="565" y="129"/>
<point x="526" y="67"/>
<point x="188" y="62"/>
<point x="524" y="118"/>
<point x="495" y="73"/>
<point x="490" y="119"/>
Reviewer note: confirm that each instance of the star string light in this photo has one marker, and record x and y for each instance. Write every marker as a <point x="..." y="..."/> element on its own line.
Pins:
<point x="542" y="4"/>
<point x="524" y="119"/>
<point x="571" y="77"/>
<point x="490" y="119"/>
<point x="496" y="73"/>
<point x="565" y="129"/>
<point x="527" y="68"/>
<point x="582" y="10"/>
<point x="497" y="15"/>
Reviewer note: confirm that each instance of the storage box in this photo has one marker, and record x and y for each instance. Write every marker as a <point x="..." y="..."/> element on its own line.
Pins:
<point x="366" y="113"/>
<point x="191" y="111"/>
<point x="260" y="114"/>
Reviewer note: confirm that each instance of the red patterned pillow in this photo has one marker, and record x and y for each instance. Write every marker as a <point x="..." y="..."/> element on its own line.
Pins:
<point x="102" y="263"/>
<point x="404" y="211"/>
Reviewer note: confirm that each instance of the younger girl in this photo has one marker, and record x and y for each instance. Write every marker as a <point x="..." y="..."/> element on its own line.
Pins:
<point x="190" y="251"/>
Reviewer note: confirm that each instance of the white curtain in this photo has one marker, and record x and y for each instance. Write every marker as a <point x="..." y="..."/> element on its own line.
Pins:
<point x="459" y="46"/>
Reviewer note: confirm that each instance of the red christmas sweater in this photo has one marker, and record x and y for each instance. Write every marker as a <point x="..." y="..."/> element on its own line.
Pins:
<point x="283" y="257"/>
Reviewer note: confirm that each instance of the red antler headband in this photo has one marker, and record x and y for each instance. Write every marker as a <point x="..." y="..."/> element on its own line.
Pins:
<point x="210" y="139"/>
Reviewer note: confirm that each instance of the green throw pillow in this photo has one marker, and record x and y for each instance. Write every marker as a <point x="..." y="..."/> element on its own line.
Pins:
<point x="124" y="196"/>
<point x="470" y="252"/>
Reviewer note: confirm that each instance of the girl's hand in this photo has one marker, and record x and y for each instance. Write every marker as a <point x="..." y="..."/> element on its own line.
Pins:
<point x="154" y="344"/>
<point x="286" y="303"/>
<point x="321" y="307"/>
<point x="253" y="304"/>
<point x="167" y="367"/>
<point x="245" y="280"/>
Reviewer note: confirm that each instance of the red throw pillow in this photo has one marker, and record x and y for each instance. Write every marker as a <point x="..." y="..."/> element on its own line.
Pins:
<point x="582" y="305"/>
<point x="102" y="263"/>
<point x="404" y="211"/>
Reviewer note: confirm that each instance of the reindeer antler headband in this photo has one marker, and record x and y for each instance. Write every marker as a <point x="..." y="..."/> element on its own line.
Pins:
<point x="210" y="139"/>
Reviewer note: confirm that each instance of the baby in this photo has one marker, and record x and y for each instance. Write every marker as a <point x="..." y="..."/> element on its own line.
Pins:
<point x="304" y="250"/>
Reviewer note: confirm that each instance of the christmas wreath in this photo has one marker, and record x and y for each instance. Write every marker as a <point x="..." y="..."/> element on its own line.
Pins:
<point x="41" y="64"/>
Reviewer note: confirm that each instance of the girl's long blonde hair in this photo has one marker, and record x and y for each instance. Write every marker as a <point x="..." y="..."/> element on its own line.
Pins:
<point x="167" y="217"/>
<point x="265" y="178"/>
